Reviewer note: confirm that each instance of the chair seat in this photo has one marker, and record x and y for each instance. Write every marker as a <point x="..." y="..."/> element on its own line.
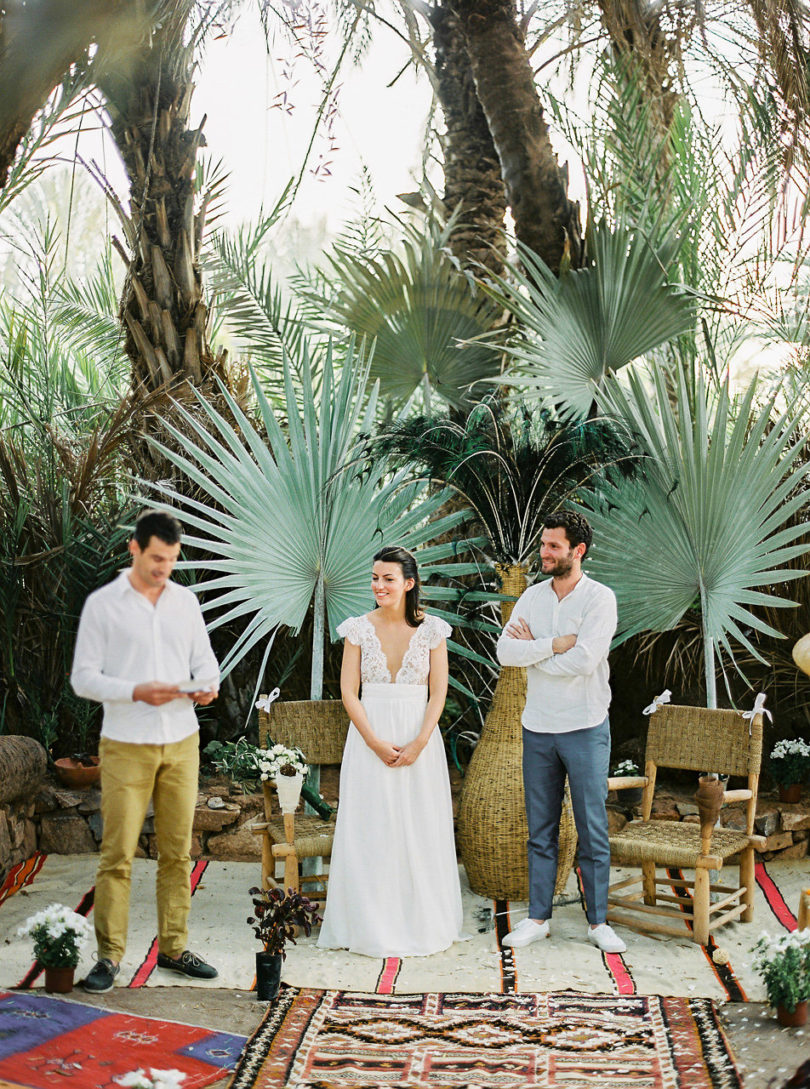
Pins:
<point x="313" y="836"/>
<point x="671" y="843"/>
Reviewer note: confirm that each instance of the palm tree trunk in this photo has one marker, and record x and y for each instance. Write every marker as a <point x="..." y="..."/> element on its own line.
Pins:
<point x="536" y="186"/>
<point x="162" y="309"/>
<point x="472" y="171"/>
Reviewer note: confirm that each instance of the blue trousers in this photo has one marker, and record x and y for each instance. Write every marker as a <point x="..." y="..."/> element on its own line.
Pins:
<point x="584" y="755"/>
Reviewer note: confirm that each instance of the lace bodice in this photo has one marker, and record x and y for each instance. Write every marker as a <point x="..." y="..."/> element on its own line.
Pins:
<point x="415" y="662"/>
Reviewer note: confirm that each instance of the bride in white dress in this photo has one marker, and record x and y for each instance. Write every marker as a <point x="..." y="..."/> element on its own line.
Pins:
<point x="393" y="878"/>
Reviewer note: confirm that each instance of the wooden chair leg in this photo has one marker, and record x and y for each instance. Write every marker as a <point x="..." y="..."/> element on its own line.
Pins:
<point x="747" y="879"/>
<point x="700" y="906"/>
<point x="268" y="864"/>
<point x="648" y="882"/>
<point x="291" y="872"/>
<point x="803" y="917"/>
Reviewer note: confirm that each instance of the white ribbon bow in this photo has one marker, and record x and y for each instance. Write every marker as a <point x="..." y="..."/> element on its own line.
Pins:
<point x="759" y="708"/>
<point x="658" y="703"/>
<point x="263" y="702"/>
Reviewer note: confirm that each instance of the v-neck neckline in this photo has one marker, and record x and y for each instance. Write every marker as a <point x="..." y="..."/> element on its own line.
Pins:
<point x="392" y="677"/>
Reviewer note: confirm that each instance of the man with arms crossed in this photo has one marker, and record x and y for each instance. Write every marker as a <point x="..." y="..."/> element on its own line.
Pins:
<point x="141" y="638"/>
<point x="560" y="630"/>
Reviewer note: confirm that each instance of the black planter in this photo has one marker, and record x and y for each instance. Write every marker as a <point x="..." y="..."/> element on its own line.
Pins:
<point x="268" y="976"/>
<point x="630" y="797"/>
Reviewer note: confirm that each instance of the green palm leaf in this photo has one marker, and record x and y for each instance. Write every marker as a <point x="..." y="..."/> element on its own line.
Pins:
<point x="423" y="316"/>
<point x="590" y="322"/>
<point x="287" y="523"/>
<point x="710" y="521"/>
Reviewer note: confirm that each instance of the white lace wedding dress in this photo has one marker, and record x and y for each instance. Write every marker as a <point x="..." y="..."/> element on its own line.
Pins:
<point x="393" y="876"/>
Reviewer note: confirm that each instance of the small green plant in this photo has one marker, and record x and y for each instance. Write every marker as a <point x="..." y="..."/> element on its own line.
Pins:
<point x="276" y="915"/>
<point x="58" y="934"/>
<point x="784" y="964"/>
<point x="789" y="761"/>
<point x="239" y="760"/>
<point x="626" y="769"/>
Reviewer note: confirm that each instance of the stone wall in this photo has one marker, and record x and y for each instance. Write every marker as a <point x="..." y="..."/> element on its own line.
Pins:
<point x="22" y="768"/>
<point x="61" y="821"/>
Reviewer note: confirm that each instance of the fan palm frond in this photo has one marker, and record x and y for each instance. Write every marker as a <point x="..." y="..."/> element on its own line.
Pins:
<point x="423" y="316"/>
<point x="710" y="523"/>
<point x="591" y="322"/>
<point x="285" y="523"/>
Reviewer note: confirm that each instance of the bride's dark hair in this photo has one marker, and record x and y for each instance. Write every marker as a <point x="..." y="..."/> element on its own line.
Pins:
<point x="396" y="554"/>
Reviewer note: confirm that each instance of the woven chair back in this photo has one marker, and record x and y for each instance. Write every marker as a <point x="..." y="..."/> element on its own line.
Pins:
<point x="317" y="727"/>
<point x="702" y="739"/>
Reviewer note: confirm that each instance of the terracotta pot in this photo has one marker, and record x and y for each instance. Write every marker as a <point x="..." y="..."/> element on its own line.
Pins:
<point x="59" y="980"/>
<point x="792" y="1020"/>
<point x="268" y="976"/>
<point x="75" y="775"/>
<point x="790" y="793"/>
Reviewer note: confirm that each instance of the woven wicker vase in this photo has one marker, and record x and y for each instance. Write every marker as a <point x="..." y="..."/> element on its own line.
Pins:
<point x="492" y="827"/>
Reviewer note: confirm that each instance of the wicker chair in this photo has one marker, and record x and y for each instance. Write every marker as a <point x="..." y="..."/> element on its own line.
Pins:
<point x="700" y="740"/>
<point x="318" y="728"/>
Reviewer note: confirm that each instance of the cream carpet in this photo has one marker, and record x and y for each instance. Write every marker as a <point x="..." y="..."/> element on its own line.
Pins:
<point x="218" y="931"/>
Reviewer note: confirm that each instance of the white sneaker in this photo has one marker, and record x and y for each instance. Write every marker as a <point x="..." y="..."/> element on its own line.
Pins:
<point x="526" y="932"/>
<point x="606" y="939"/>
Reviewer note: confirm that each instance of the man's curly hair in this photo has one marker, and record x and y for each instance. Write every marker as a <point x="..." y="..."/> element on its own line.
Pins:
<point x="576" y="526"/>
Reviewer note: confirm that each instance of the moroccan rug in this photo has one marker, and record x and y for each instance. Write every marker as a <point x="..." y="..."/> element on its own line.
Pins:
<point x="218" y="930"/>
<point x="335" y="1040"/>
<point x="52" y="1041"/>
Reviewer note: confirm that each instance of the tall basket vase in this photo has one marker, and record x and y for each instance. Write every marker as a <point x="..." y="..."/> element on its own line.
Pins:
<point x="492" y="827"/>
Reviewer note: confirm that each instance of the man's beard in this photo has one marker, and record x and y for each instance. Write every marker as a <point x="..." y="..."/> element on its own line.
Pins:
<point x="560" y="567"/>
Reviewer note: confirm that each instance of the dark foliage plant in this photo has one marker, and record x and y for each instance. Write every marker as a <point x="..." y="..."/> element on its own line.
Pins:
<point x="276" y="915"/>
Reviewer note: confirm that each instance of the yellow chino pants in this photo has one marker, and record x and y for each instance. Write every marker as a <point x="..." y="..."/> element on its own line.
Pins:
<point x="130" y="776"/>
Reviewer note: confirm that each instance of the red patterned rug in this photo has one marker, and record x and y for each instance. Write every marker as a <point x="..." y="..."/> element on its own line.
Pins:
<point x="336" y="1040"/>
<point x="46" y="1042"/>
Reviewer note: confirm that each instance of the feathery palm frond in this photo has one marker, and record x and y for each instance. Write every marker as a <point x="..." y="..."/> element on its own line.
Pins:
<point x="590" y="322"/>
<point x="258" y="311"/>
<point x="87" y="314"/>
<point x="287" y="522"/>
<point x="712" y="517"/>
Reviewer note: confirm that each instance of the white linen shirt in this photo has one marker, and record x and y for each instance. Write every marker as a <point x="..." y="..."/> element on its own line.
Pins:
<point x="124" y="640"/>
<point x="569" y="691"/>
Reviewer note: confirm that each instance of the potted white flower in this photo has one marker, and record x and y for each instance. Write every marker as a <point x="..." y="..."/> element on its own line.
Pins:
<point x="286" y="768"/>
<point x="784" y="964"/>
<point x="628" y="769"/>
<point x="59" y="935"/>
<point x="789" y="765"/>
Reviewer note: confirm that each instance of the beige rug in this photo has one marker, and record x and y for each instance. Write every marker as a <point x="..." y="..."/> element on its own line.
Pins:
<point x="218" y="931"/>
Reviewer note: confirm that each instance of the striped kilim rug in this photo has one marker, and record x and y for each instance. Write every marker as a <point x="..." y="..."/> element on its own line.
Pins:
<point x="336" y="1040"/>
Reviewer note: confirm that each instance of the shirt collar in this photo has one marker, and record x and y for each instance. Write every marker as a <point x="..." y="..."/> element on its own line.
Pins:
<point x="123" y="584"/>
<point x="546" y="584"/>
